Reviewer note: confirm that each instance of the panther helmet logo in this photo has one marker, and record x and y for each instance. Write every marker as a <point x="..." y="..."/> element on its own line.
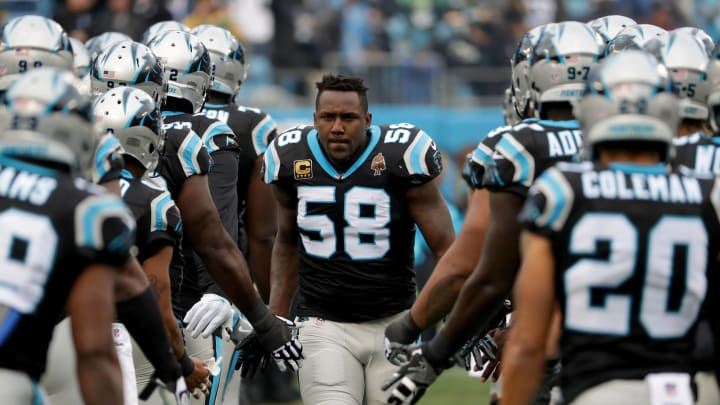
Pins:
<point x="378" y="164"/>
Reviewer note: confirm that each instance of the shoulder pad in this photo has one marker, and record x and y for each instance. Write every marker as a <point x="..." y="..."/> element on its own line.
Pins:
<point x="409" y="151"/>
<point x="286" y="147"/>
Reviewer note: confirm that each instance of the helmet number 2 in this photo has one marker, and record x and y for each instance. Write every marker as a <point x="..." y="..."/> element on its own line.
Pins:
<point x="173" y="74"/>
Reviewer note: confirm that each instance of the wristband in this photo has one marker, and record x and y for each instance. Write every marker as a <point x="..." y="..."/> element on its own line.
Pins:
<point x="186" y="365"/>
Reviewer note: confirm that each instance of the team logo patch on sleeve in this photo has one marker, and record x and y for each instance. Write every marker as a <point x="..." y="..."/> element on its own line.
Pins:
<point x="378" y="164"/>
<point x="303" y="169"/>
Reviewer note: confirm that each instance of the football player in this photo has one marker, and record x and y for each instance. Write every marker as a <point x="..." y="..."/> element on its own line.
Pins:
<point x="254" y="129"/>
<point x="132" y="116"/>
<point x="698" y="152"/>
<point x="562" y="58"/>
<point x="64" y="240"/>
<point x="602" y="243"/>
<point x="350" y="194"/>
<point x="188" y="71"/>
<point x="183" y="170"/>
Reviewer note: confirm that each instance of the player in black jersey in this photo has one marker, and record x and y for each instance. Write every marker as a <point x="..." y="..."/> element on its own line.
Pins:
<point x="254" y="129"/>
<point x="203" y="306"/>
<point x="131" y="115"/>
<point x="450" y="273"/>
<point x="698" y="153"/>
<point x="64" y="240"/>
<point x="624" y="246"/>
<point x="183" y="170"/>
<point x="350" y="194"/>
<point x="520" y="155"/>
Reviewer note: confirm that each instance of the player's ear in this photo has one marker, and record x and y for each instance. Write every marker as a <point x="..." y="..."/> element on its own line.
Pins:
<point x="315" y="124"/>
<point x="368" y="120"/>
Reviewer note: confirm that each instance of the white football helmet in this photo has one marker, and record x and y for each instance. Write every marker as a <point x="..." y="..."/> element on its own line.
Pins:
<point x="510" y="116"/>
<point x="700" y="35"/>
<point x="687" y="61"/>
<point x="133" y="117"/>
<point x="227" y="56"/>
<point x="635" y="37"/>
<point x="713" y="78"/>
<point x="520" y="66"/>
<point x="160" y="27"/>
<point x="30" y="42"/>
<point x="81" y="58"/>
<point x="610" y="25"/>
<point x="187" y="66"/>
<point x="128" y="63"/>
<point x="99" y="43"/>
<point x="562" y="60"/>
<point x="45" y="117"/>
<point x="621" y="104"/>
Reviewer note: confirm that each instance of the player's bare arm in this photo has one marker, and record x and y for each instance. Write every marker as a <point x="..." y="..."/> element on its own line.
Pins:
<point x="91" y="309"/>
<point x="493" y="278"/>
<point x="210" y="240"/>
<point x="284" y="266"/>
<point x="442" y="289"/>
<point x="534" y="301"/>
<point x="261" y="227"/>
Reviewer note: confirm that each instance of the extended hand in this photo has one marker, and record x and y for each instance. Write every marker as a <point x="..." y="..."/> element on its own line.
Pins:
<point x="208" y="314"/>
<point x="412" y="378"/>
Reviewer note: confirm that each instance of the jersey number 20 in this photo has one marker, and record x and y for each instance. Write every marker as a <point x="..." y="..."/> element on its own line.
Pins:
<point x="614" y="317"/>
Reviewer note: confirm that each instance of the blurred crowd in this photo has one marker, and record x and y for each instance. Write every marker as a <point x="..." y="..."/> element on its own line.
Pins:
<point x="385" y="40"/>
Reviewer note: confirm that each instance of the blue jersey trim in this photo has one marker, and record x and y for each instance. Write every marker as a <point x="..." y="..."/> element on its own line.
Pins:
<point x="569" y="124"/>
<point x="159" y="208"/>
<point x="515" y="156"/>
<point x="189" y="151"/>
<point x="319" y="154"/>
<point x="171" y="113"/>
<point x="560" y="198"/>
<point x="103" y="151"/>
<point x="209" y="105"/>
<point x="261" y="134"/>
<point x="216" y="130"/>
<point x="91" y="215"/>
<point x="416" y="157"/>
<point x="19" y="164"/>
<point x="639" y="168"/>
<point x="270" y="164"/>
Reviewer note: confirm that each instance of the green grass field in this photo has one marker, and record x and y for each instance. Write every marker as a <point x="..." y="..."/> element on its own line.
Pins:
<point x="454" y="387"/>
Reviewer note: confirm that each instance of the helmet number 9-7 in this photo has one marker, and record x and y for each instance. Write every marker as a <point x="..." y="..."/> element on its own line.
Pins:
<point x="23" y="65"/>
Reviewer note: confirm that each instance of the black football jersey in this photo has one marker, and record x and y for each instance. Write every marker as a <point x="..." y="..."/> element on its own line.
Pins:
<point x="52" y="227"/>
<point x="527" y="149"/>
<point x="183" y="156"/>
<point x="355" y="234"/>
<point x="632" y="247"/>
<point x="254" y="130"/>
<point x="216" y="135"/>
<point x="481" y="157"/>
<point x="699" y="153"/>
<point x="156" y="216"/>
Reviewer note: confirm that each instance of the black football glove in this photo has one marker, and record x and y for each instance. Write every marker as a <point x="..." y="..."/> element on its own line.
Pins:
<point x="412" y="379"/>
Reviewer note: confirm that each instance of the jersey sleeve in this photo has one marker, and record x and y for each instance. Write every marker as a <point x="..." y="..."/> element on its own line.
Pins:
<point x="513" y="166"/>
<point x="184" y="156"/>
<point x="548" y="204"/>
<point x="104" y="230"/>
<point x="107" y="163"/>
<point x="277" y="160"/>
<point x="218" y="136"/>
<point x="263" y="132"/>
<point x="412" y="155"/>
<point x="165" y="225"/>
